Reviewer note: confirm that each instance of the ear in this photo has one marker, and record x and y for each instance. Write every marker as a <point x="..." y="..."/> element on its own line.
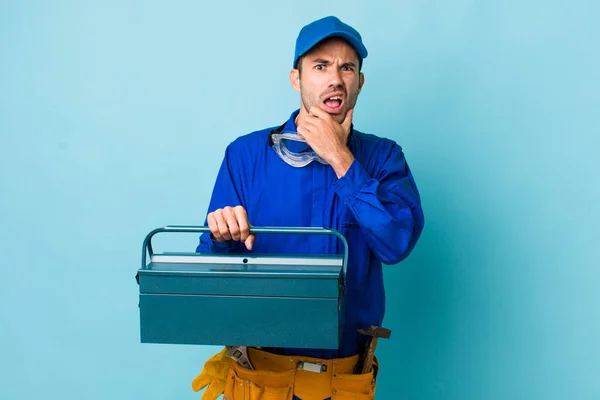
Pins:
<point x="295" y="79"/>
<point x="361" y="81"/>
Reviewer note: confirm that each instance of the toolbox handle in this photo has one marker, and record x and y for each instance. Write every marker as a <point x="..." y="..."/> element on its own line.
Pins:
<point x="147" y="246"/>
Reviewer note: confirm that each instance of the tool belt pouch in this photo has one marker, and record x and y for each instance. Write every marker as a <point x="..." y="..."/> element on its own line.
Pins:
<point x="246" y="384"/>
<point x="355" y="386"/>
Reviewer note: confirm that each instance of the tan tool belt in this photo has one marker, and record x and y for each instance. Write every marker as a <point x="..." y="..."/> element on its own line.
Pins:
<point x="279" y="377"/>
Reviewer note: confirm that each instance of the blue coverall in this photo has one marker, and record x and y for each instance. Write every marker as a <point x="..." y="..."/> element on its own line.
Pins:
<point x="375" y="205"/>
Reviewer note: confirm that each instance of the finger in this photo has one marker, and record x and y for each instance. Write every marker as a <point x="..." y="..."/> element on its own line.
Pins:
<point x="215" y="390"/>
<point x="307" y="133"/>
<point x="303" y="130"/>
<point x="319" y="112"/>
<point x="232" y="224"/>
<point x="201" y="381"/>
<point x="222" y="226"/>
<point x="242" y="219"/>
<point x="250" y="241"/>
<point x="311" y="120"/>
<point x="348" y="120"/>
<point x="214" y="227"/>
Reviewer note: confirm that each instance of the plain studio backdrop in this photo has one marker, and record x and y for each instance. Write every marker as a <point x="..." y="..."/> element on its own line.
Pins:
<point x="114" y="117"/>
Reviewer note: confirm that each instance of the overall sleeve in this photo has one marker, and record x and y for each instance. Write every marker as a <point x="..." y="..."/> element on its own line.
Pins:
<point x="225" y="193"/>
<point x="386" y="206"/>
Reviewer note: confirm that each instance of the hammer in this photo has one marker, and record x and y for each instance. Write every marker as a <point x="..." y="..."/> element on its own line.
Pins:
<point x="375" y="332"/>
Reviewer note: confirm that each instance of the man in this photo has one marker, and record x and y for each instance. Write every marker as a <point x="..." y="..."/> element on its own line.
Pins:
<point x="332" y="176"/>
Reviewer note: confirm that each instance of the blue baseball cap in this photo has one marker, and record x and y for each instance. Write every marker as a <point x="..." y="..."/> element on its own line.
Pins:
<point x="325" y="28"/>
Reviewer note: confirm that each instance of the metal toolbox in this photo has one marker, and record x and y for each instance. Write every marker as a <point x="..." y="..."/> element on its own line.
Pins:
<point x="242" y="300"/>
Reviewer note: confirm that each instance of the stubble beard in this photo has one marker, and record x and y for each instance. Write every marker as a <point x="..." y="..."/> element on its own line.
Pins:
<point x="309" y="101"/>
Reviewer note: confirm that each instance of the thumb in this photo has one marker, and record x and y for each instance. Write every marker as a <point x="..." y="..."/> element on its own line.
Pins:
<point x="348" y="121"/>
<point x="250" y="241"/>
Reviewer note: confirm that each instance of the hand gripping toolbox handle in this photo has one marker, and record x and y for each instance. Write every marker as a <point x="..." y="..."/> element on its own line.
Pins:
<point x="147" y="246"/>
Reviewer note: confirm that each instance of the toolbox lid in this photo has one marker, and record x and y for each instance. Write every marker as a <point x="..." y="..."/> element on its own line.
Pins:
<point x="209" y="274"/>
<point x="305" y="275"/>
<point x="258" y="266"/>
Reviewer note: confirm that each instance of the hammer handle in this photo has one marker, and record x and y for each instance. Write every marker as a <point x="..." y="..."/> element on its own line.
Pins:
<point x="368" y="362"/>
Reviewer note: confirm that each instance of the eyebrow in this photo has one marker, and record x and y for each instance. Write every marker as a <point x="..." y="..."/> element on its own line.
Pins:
<point x="323" y="61"/>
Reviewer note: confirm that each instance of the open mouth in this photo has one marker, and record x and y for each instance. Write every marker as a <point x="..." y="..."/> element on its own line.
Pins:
<point x="333" y="104"/>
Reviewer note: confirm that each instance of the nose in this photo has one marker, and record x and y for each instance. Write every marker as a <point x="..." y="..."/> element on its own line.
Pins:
<point x="335" y="78"/>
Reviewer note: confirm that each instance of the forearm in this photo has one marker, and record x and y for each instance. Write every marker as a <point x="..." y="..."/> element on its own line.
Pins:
<point x="389" y="213"/>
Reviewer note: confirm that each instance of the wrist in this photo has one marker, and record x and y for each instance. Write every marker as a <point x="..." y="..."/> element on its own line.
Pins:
<point x="341" y="162"/>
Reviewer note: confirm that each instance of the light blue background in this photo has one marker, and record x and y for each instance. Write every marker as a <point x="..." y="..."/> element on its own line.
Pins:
<point x="113" y="121"/>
